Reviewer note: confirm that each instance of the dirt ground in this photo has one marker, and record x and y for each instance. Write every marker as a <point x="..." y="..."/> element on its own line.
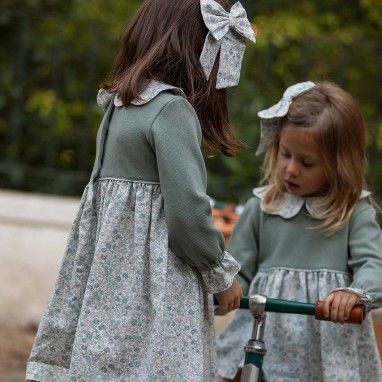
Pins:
<point x="16" y="343"/>
<point x="15" y="346"/>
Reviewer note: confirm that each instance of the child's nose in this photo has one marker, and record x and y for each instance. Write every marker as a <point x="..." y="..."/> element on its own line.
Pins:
<point x="293" y="168"/>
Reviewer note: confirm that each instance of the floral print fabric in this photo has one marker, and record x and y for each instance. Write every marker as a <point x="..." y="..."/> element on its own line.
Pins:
<point x="151" y="90"/>
<point x="227" y="33"/>
<point x="125" y="308"/>
<point x="300" y="348"/>
<point x="220" y="277"/>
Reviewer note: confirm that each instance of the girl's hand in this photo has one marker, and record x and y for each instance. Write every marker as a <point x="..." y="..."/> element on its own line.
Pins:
<point x="338" y="305"/>
<point x="229" y="299"/>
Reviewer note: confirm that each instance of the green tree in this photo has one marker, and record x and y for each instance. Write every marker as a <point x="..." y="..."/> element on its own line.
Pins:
<point x="297" y="41"/>
<point x="55" y="53"/>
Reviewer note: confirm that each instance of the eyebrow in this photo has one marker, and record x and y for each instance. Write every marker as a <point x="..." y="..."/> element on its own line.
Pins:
<point x="304" y="157"/>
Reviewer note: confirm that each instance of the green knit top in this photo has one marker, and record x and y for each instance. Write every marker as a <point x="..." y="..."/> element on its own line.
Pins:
<point x="266" y="241"/>
<point x="160" y="142"/>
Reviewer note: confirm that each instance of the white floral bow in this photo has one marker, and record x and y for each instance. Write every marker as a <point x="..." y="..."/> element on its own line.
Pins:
<point x="227" y="32"/>
<point x="270" y="118"/>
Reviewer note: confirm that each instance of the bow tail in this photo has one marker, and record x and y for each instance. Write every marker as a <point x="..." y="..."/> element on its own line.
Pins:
<point x="209" y="54"/>
<point x="268" y="135"/>
<point x="231" y="57"/>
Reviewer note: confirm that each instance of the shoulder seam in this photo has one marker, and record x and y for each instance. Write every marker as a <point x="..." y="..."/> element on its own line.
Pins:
<point x="176" y="98"/>
<point x="363" y="209"/>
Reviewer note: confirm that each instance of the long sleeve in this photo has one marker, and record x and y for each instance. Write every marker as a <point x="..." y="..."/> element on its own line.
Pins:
<point x="176" y="138"/>
<point x="365" y="246"/>
<point x="243" y="243"/>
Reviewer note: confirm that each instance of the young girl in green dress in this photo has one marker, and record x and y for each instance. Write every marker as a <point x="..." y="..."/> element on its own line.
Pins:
<point x="133" y="298"/>
<point x="310" y="234"/>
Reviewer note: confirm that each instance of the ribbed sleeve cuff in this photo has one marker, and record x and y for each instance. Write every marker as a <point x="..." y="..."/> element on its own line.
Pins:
<point x="220" y="277"/>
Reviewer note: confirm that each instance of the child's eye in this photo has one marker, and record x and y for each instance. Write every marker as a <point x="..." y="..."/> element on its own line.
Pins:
<point x="284" y="154"/>
<point x="307" y="164"/>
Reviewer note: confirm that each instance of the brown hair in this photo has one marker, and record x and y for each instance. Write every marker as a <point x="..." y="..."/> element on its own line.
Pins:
<point x="341" y="134"/>
<point x="163" y="42"/>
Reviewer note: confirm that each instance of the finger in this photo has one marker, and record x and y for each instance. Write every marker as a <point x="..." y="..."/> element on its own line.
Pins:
<point x="341" y="308"/>
<point x="237" y="302"/>
<point x="334" y="308"/>
<point x="349" y="306"/>
<point x="230" y="306"/>
<point x="326" y="307"/>
<point x="221" y="309"/>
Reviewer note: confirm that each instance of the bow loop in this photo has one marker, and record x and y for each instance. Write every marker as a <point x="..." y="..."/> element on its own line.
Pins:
<point x="271" y="117"/>
<point x="296" y="90"/>
<point x="216" y="19"/>
<point x="221" y="25"/>
<point x="238" y="21"/>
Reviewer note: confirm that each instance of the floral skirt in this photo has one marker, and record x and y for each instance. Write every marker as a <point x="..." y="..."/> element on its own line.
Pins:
<point x="124" y="307"/>
<point x="300" y="348"/>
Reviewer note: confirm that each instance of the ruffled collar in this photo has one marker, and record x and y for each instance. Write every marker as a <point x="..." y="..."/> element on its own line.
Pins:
<point x="147" y="94"/>
<point x="290" y="205"/>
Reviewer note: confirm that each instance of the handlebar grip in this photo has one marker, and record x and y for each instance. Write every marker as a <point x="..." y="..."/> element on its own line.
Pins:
<point x="356" y="316"/>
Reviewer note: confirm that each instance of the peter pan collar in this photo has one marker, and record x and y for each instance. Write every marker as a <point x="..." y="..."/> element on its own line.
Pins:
<point x="290" y="205"/>
<point x="147" y="94"/>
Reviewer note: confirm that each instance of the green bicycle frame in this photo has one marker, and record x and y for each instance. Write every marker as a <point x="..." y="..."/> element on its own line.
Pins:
<point x="255" y="349"/>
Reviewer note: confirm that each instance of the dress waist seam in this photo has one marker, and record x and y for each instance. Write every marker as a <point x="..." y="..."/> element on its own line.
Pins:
<point x="318" y="270"/>
<point x="127" y="180"/>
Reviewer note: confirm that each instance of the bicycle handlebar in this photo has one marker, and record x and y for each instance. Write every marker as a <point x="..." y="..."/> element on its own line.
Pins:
<point x="283" y="306"/>
<point x="356" y="316"/>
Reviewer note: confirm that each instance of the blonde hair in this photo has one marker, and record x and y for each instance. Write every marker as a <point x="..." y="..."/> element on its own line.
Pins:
<point x="341" y="135"/>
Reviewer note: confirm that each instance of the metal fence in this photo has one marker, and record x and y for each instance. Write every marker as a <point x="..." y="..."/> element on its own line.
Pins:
<point x="51" y="68"/>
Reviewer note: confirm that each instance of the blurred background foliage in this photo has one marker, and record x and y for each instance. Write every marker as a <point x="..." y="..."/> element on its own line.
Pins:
<point x="55" y="53"/>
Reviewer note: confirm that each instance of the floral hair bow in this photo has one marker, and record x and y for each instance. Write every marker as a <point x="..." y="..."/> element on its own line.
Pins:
<point x="227" y="32"/>
<point x="270" y="118"/>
